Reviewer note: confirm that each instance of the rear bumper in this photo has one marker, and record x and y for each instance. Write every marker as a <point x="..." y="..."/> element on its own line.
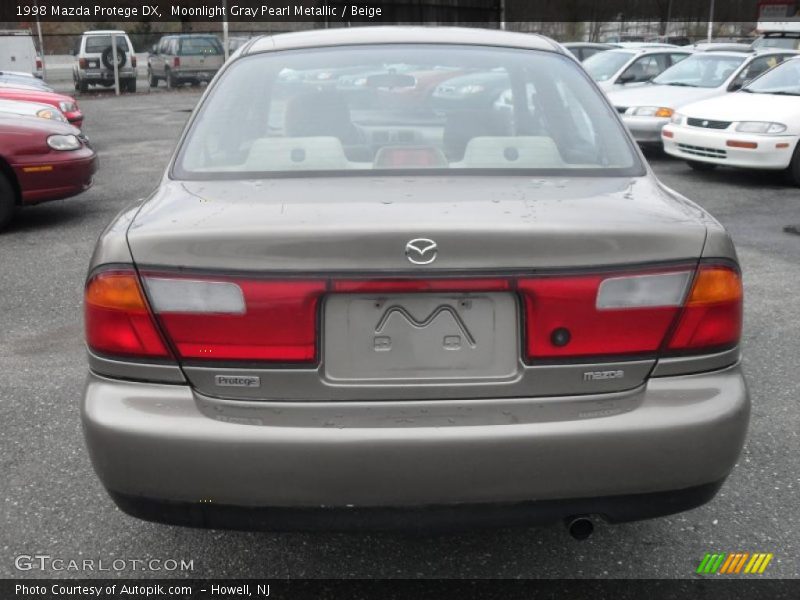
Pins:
<point x="105" y="75"/>
<point x="167" y="455"/>
<point x="709" y="146"/>
<point x="613" y="509"/>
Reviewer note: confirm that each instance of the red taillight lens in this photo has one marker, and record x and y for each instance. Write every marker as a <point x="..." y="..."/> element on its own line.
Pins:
<point x="133" y="61"/>
<point x="233" y="319"/>
<point x="176" y="62"/>
<point x="712" y="317"/>
<point x="83" y="63"/>
<point x="38" y="63"/>
<point x="118" y="322"/>
<point x="421" y="285"/>
<point x="586" y="316"/>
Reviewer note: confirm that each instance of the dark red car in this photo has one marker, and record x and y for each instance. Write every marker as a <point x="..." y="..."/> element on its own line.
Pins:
<point x="66" y="104"/>
<point x="41" y="160"/>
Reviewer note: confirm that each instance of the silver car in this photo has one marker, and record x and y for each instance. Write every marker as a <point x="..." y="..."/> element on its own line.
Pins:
<point x="647" y="108"/>
<point x="336" y="317"/>
<point x="621" y="67"/>
<point x="178" y="59"/>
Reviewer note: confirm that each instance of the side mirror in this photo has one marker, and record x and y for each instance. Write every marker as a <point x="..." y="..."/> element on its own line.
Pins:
<point x="626" y="78"/>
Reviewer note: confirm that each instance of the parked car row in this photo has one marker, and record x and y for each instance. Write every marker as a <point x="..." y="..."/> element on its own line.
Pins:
<point x="43" y="153"/>
<point x="711" y="104"/>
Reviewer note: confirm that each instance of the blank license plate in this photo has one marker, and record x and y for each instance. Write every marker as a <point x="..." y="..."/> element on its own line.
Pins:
<point x="420" y="337"/>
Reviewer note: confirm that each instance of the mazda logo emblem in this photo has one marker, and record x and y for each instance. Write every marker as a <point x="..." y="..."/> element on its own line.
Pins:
<point x="705" y="123"/>
<point x="421" y="251"/>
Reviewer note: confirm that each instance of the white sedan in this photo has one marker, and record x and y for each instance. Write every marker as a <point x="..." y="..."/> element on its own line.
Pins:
<point x="757" y="127"/>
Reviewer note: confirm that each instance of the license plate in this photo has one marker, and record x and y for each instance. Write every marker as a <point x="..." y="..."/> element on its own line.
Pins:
<point x="420" y="337"/>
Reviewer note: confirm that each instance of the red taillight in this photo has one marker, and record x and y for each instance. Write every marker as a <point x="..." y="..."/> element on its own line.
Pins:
<point x="205" y="318"/>
<point x="38" y="63"/>
<point x="83" y="63"/>
<point x="563" y="319"/>
<point x="238" y="319"/>
<point x="176" y="62"/>
<point x="712" y="317"/>
<point x="133" y="61"/>
<point x="118" y="322"/>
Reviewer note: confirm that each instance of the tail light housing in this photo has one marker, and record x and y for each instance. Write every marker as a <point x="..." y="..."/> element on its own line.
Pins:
<point x="656" y="312"/>
<point x="117" y="318"/>
<point x="38" y="63"/>
<point x="176" y="62"/>
<point x="83" y="63"/>
<point x="133" y="61"/>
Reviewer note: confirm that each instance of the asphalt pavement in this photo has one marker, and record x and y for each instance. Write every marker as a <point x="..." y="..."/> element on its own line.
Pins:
<point x="53" y="504"/>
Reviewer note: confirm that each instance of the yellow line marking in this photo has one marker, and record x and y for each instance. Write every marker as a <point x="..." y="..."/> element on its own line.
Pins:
<point x="765" y="563"/>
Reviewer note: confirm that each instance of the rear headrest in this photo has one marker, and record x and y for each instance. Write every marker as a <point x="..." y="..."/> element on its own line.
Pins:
<point x="303" y="153"/>
<point x="529" y="152"/>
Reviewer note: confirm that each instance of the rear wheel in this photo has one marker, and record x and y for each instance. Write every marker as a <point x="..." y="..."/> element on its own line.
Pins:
<point x="130" y="86"/>
<point x="701" y="166"/>
<point x="82" y="86"/>
<point x="170" y="80"/>
<point x="7" y="203"/>
<point x="153" y="79"/>
<point x="794" y="167"/>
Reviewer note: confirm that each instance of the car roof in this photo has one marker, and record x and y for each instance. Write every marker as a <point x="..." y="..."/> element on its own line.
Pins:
<point x="104" y="31"/>
<point x="589" y="45"/>
<point x="401" y="35"/>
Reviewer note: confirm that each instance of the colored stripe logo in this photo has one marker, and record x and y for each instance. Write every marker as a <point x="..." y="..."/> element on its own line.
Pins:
<point x="734" y="563"/>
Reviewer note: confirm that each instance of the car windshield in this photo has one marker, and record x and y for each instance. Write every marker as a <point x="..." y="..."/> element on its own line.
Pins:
<point x="404" y="108"/>
<point x="603" y="66"/>
<point x="701" y="70"/>
<point x="200" y="47"/>
<point x="783" y="79"/>
<point x="98" y="43"/>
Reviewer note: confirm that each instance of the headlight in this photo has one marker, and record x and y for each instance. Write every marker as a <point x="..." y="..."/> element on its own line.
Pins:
<point x="652" y="111"/>
<point x="67" y="106"/>
<point x="471" y="89"/>
<point x="760" y="127"/>
<point x="63" y="142"/>
<point x="677" y="119"/>
<point x="50" y="113"/>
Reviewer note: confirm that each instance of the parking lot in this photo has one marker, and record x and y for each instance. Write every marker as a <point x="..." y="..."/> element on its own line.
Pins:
<point x="53" y="504"/>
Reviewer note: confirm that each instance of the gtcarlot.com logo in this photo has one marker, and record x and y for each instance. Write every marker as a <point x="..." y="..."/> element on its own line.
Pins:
<point x="45" y="562"/>
<point x="734" y="563"/>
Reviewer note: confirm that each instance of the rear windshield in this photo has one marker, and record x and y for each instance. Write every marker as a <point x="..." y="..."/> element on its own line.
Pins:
<point x="98" y="43"/>
<point x="603" y="66"/>
<point x="701" y="70"/>
<point x="398" y="108"/>
<point x="200" y="47"/>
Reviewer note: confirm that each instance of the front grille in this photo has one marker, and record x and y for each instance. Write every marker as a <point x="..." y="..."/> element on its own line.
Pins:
<point x="701" y="151"/>
<point x="708" y="123"/>
<point x="621" y="109"/>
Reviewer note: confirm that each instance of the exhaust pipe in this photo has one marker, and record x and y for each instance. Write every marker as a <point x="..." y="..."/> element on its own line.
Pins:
<point x="580" y="528"/>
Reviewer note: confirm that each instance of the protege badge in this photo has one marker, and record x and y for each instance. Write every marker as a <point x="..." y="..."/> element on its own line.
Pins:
<point x="597" y="375"/>
<point x="237" y="381"/>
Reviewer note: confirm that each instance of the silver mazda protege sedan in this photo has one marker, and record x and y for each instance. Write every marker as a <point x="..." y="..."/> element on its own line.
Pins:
<point x="350" y="306"/>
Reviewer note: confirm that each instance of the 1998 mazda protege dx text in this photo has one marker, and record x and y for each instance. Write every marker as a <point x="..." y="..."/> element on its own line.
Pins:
<point x="348" y="307"/>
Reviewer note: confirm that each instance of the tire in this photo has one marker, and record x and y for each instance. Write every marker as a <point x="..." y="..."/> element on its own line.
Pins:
<point x="83" y="87"/>
<point x="701" y="166"/>
<point x="152" y="78"/>
<point x="107" y="58"/>
<point x="7" y="202"/>
<point x="130" y="86"/>
<point x="170" y="81"/>
<point x="794" y="166"/>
